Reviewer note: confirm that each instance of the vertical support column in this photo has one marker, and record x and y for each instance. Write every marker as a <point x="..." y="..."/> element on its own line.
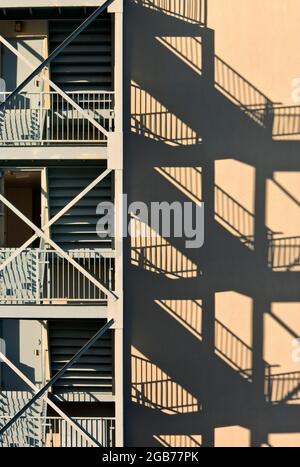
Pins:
<point x="2" y="350"/>
<point x="2" y="210"/>
<point x="208" y="56"/>
<point x="117" y="311"/>
<point x="208" y="301"/>
<point x="260" y="305"/>
<point x="115" y="155"/>
<point x="2" y="242"/>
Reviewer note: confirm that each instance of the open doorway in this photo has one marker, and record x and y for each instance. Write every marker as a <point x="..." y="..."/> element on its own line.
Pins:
<point x="23" y="189"/>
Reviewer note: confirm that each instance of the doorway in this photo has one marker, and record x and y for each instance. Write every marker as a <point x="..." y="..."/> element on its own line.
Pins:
<point x="22" y="188"/>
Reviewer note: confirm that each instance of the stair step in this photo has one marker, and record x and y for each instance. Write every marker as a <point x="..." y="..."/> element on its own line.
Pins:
<point x="77" y="183"/>
<point x="75" y="332"/>
<point x="92" y="50"/>
<point x="87" y="245"/>
<point x="83" y="376"/>
<point x="102" y="348"/>
<point x="85" y="359"/>
<point x="89" y="389"/>
<point x="73" y="221"/>
<point x="85" y="231"/>
<point x="76" y="69"/>
<point x="87" y="38"/>
<point x="78" y="211"/>
<point x="92" y="87"/>
<point x="70" y="351"/>
<point x="85" y="202"/>
<point x="69" y="26"/>
<point x="104" y="369"/>
<point x="58" y="341"/>
<point x="77" y="172"/>
<point x="88" y="59"/>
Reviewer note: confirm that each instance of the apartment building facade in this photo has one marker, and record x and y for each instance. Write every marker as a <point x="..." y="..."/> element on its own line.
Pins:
<point x="110" y="339"/>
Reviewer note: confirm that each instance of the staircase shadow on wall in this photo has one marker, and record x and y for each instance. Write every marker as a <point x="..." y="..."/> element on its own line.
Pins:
<point x="177" y="96"/>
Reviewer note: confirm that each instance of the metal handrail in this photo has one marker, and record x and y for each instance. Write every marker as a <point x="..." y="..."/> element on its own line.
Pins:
<point x="21" y="281"/>
<point x="53" y="431"/>
<point x="242" y="92"/>
<point x="46" y="117"/>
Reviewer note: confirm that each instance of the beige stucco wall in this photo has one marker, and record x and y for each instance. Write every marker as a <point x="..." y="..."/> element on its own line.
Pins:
<point x="267" y="33"/>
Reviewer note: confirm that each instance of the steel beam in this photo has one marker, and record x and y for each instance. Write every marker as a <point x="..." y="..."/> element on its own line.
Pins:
<point x="59" y="49"/>
<point x="58" y="375"/>
<point x="11" y="311"/>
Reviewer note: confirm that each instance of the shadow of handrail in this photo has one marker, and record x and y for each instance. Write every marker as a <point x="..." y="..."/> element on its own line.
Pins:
<point x="160" y="126"/>
<point x="179" y="441"/>
<point x="282" y="121"/>
<point x="234" y="350"/>
<point x="192" y="11"/>
<point x="187" y="179"/>
<point x="286" y="121"/>
<point x="241" y="222"/>
<point x="283" y="387"/>
<point x="235" y="216"/>
<point x="284" y="253"/>
<point x="163" y="259"/>
<point x="243" y="93"/>
<point x="239" y="355"/>
<point x="153" y="388"/>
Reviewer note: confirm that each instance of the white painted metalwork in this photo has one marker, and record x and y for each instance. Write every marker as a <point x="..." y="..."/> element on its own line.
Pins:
<point x="56" y="88"/>
<point x="34" y="119"/>
<point x="46" y="399"/>
<point x="56" y="432"/>
<point x="41" y="276"/>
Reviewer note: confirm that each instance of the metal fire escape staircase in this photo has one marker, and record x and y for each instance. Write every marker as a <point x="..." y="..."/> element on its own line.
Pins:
<point x="75" y="364"/>
<point x="93" y="373"/>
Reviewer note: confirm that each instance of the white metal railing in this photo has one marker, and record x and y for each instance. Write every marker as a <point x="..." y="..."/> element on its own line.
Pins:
<point x="236" y="352"/>
<point x="56" y="432"/>
<point x="43" y="276"/>
<point x="33" y="119"/>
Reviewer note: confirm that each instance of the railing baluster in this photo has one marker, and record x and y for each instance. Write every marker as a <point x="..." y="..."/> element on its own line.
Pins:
<point x="28" y="114"/>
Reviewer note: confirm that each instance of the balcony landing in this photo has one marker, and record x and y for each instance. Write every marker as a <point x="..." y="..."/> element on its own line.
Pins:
<point x="54" y="153"/>
<point x="53" y="312"/>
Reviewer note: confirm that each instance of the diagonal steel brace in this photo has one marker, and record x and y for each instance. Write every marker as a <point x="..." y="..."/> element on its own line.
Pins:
<point x="55" y="218"/>
<point x="61" y="252"/>
<point x="58" y="375"/>
<point x="59" y="49"/>
<point x="78" y="428"/>
<point x="64" y="95"/>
